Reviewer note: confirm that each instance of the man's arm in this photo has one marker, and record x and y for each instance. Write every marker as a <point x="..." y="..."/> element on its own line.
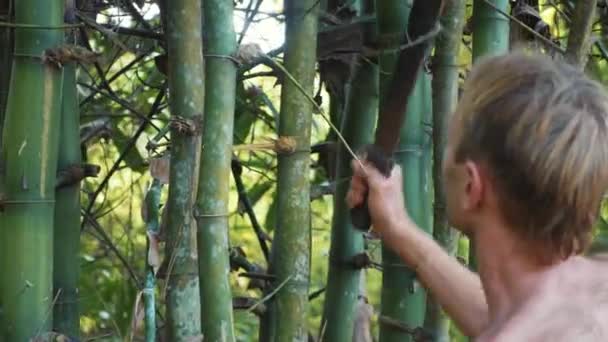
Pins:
<point x="457" y="289"/>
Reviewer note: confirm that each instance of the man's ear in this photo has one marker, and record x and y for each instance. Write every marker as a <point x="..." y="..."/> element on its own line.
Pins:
<point x="474" y="186"/>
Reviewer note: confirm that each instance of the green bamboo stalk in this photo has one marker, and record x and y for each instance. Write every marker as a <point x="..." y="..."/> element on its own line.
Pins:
<point x="6" y="58"/>
<point x="490" y="37"/>
<point x="579" y="42"/>
<point x="186" y="102"/>
<point x="66" y="233"/>
<point x="214" y="178"/>
<point x="357" y="127"/>
<point x="29" y="167"/>
<point x="490" y="28"/>
<point x="290" y="256"/>
<point x="403" y="298"/>
<point x="445" y="97"/>
<point x="67" y="215"/>
<point x="152" y="203"/>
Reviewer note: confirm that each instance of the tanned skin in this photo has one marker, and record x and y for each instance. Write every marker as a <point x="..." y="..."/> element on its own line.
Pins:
<point x="515" y="297"/>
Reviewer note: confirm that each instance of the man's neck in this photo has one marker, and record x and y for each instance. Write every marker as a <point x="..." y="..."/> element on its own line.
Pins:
<point x="509" y="272"/>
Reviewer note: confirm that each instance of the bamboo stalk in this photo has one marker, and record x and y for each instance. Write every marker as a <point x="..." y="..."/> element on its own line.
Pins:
<point x="490" y="37"/>
<point x="445" y="97"/>
<point x="67" y="215"/>
<point x="6" y="58"/>
<point x="403" y="299"/>
<point x="66" y="233"/>
<point x="29" y="158"/>
<point x="290" y="256"/>
<point x="343" y="282"/>
<point x="579" y="38"/>
<point x="152" y="222"/>
<point x="186" y="101"/>
<point x="214" y="178"/>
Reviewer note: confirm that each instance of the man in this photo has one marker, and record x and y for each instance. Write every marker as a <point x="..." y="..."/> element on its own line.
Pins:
<point x="525" y="170"/>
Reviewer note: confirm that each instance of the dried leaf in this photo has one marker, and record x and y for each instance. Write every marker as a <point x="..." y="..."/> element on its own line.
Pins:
<point x="159" y="169"/>
<point x="362" y="329"/>
<point x="249" y="52"/>
<point x="137" y="323"/>
<point x="154" y="259"/>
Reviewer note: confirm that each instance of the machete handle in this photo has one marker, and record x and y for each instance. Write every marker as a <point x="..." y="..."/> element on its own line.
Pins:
<point x="359" y="215"/>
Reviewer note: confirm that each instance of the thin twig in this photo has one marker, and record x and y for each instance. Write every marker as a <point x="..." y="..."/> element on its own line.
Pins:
<point x="249" y="19"/>
<point x="130" y="145"/>
<point x="318" y="108"/>
<point x="106" y="238"/>
<point x="126" y="105"/>
<point x="119" y="73"/>
<point x="48" y="313"/>
<point x="271" y="294"/>
<point x="244" y="199"/>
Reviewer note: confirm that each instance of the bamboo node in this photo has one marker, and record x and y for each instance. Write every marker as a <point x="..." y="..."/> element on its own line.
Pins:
<point x="282" y="145"/>
<point x="197" y="214"/>
<point x="228" y="57"/>
<point x="74" y="173"/>
<point x="418" y="334"/>
<point x="185" y="126"/>
<point x="69" y="53"/>
<point x="286" y="145"/>
<point x="248" y="53"/>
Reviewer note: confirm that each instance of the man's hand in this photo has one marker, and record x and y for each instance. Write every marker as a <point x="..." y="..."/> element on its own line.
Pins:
<point x="385" y="197"/>
<point x="457" y="289"/>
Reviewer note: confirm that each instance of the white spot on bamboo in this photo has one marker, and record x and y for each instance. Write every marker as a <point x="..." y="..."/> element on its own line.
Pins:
<point x="23" y="144"/>
<point x="47" y="108"/>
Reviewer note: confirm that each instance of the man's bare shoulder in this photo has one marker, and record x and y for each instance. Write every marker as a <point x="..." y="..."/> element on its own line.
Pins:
<point x="572" y="307"/>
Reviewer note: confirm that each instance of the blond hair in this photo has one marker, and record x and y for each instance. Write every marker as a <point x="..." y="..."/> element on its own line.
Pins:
<point x="541" y="128"/>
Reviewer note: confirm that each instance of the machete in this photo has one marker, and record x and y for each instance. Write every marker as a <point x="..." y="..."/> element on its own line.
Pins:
<point x="423" y="20"/>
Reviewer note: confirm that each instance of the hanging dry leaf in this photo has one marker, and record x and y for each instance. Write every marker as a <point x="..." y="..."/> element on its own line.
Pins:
<point x="362" y="329"/>
<point x="159" y="169"/>
<point x="137" y="323"/>
<point x="249" y="52"/>
<point x="154" y="259"/>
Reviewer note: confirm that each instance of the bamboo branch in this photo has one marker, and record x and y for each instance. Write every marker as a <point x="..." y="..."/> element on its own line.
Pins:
<point x="130" y="145"/>
<point x="106" y="238"/>
<point x="244" y="199"/>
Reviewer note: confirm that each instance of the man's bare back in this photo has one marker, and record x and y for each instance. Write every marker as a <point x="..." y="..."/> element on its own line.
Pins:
<point x="571" y="305"/>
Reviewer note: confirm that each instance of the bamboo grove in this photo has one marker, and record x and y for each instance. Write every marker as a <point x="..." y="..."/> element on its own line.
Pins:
<point x="176" y="170"/>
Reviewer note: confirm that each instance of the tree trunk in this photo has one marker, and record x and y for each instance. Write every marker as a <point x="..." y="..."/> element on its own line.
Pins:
<point x="214" y="180"/>
<point x="445" y="97"/>
<point x="186" y="103"/>
<point x="29" y="165"/>
<point x="490" y="37"/>
<point x="358" y="122"/>
<point x="579" y="38"/>
<point x="290" y="256"/>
